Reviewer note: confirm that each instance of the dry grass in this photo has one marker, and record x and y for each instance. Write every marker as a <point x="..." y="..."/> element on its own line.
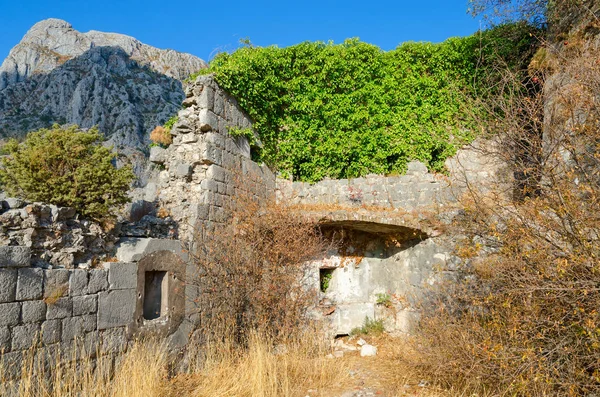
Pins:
<point x="286" y="369"/>
<point x="44" y="373"/>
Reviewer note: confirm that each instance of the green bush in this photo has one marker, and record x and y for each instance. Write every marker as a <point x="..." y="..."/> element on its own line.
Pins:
<point x="67" y="167"/>
<point x="347" y="110"/>
<point x="370" y="327"/>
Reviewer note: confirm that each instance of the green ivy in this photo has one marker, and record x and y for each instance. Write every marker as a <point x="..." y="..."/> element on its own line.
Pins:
<point x="347" y="110"/>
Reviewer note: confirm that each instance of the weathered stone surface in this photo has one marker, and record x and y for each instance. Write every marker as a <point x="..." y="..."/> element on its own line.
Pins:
<point x="72" y="328"/>
<point x="78" y="282"/>
<point x="42" y="235"/>
<point x="113" y="341"/>
<point x="8" y="285"/>
<point x="84" y="304"/>
<point x="157" y="155"/>
<point x="13" y="203"/>
<point x="183" y="170"/>
<point x="10" y="313"/>
<point x="89" y="322"/>
<point x="121" y="275"/>
<point x="368" y="351"/>
<point x="15" y="256"/>
<point x="51" y="331"/>
<point x="33" y="311"/>
<point x="30" y="284"/>
<point x="56" y="282"/>
<point x="24" y="336"/>
<point x="5" y="340"/>
<point x="116" y="308"/>
<point x="61" y="308"/>
<point x="133" y="249"/>
<point x="98" y="281"/>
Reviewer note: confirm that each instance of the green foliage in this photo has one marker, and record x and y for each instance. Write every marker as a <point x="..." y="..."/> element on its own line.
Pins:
<point x="370" y="327"/>
<point x="347" y="110"/>
<point x="170" y="123"/>
<point x="67" y="167"/>
<point x="384" y="299"/>
<point x="245" y="132"/>
<point x="326" y="279"/>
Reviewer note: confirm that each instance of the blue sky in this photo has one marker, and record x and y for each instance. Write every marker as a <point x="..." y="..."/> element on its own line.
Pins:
<point x="206" y="27"/>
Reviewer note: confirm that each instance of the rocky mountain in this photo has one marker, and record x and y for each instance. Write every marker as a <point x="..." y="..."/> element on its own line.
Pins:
<point x="59" y="75"/>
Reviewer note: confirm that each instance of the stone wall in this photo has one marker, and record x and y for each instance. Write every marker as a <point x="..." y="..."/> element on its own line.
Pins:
<point x="55" y="236"/>
<point x="199" y="174"/>
<point x="92" y="311"/>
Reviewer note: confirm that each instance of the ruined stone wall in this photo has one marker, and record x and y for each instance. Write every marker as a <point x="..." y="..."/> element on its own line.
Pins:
<point x="205" y="167"/>
<point x="53" y="235"/>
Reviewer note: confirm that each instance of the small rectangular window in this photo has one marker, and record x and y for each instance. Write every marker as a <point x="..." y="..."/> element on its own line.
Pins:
<point x="325" y="276"/>
<point x="155" y="295"/>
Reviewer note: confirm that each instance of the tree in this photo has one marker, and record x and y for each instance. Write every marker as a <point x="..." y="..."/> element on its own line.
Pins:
<point x="68" y="167"/>
<point x="510" y="10"/>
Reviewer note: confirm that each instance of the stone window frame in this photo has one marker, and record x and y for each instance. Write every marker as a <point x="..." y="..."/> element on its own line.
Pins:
<point x="174" y="266"/>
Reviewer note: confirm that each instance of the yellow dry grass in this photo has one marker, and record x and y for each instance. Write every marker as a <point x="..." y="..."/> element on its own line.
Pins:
<point x="142" y="372"/>
<point x="284" y="370"/>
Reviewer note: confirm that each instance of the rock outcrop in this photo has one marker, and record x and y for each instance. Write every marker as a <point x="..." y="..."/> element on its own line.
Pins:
<point x="59" y="75"/>
<point x="52" y="42"/>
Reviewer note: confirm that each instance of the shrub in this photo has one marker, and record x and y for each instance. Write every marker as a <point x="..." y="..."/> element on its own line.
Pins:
<point x="161" y="136"/>
<point x="252" y="271"/>
<point x="66" y="167"/>
<point x="524" y="320"/>
<point x="370" y="327"/>
<point x="347" y="110"/>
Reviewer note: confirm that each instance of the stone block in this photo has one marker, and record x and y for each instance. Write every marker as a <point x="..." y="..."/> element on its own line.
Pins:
<point x="30" y="284"/>
<point x="157" y="155"/>
<point x="209" y="185"/>
<point x="51" y="331"/>
<point x="85" y="304"/>
<point x="98" y="281"/>
<point x="211" y="154"/>
<point x="199" y="212"/>
<point x="33" y="311"/>
<point x="89" y="322"/>
<point x="121" y="275"/>
<point x="351" y="316"/>
<point x="62" y="213"/>
<point x="113" y="341"/>
<point x="56" y="282"/>
<point x="183" y="170"/>
<point x="116" y="308"/>
<point x="14" y="203"/>
<point x="5" y="340"/>
<point x="8" y="285"/>
<point x="219" y="105"/>
<point x="206" y="98"/>
<point x="78" y="282"/>
<point x="10" y="313"/>
<point x="13" y="365"/>
<point x="216" y="173"/>
<point x="15" y="256"/>
<point x="61" y="308"/>
<point x="72" y="328"/>
<point x="133" y="249"/>
<point x="24" y="336"/>
<point x="208" y="120"/>
<point x="188" y="138"/>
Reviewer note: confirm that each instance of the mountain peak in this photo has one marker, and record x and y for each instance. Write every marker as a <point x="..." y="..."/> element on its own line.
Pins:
<point x="51" y="42"/>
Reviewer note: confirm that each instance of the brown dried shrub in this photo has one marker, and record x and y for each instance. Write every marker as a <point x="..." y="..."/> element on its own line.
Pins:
<point x="524" y="318"/>
<point x="252" y="271"/>
<point x="161" y="136"/>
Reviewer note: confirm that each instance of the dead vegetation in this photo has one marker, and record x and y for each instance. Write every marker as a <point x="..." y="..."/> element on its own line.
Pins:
<point x="524" y="319"/>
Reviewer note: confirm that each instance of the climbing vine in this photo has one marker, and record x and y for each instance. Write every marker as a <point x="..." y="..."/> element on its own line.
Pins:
<point x="350" y="109"/>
